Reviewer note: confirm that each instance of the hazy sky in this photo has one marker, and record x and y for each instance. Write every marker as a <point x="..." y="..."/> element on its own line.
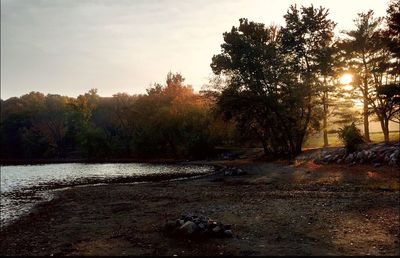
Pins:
<point x="68" y="47"/>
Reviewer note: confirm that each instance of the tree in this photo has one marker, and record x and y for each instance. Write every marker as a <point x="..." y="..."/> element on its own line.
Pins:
<point x="375" y="68"/>
<point x="393" y="27"/>
<point x="391" y="92"/>
<point x="272" y="77"/>
<point x="309" y="36"/>
<point x="361" y="50"/>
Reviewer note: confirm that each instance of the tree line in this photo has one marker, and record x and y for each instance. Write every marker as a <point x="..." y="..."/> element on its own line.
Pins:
<point x="170" y="120"/>
<point x="273" y="86"/>
<point x="284" y="82"/>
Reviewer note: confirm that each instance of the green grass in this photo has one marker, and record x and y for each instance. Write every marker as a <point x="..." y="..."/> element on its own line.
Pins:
<point x="333" y="139"/>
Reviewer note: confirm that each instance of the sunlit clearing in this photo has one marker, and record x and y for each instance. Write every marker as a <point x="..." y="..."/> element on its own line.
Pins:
<point x="346" y="78"/>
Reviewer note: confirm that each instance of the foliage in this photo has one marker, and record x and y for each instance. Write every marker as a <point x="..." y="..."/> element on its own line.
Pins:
<point x="351" y="137"/>
<point x="272" y="76"/>
<point x="169" y="121"/>
<point x="374" y="66"/>
<point x="393" y="27"/>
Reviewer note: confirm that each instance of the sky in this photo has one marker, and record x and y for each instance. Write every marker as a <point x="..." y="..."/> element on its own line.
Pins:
<point x="67" y="47"/>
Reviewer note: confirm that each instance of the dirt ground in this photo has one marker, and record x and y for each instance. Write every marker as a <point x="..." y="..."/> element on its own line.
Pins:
<point x="275" y="209"/>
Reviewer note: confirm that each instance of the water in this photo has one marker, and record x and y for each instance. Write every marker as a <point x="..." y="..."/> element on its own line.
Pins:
<point x="24" y="186"/>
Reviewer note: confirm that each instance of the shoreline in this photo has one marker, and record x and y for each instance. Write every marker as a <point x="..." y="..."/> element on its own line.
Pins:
<point x="51" y="191"/>
<point x="47" y="191"/>
<point x="262" y="206"/>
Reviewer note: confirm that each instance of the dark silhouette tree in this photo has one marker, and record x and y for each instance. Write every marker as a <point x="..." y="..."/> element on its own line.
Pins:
<point x="273" y="76"/>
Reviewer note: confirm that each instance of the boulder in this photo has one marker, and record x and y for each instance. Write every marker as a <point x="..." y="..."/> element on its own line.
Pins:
<point x="188" y="228"/>
<point x="228" y="233"/>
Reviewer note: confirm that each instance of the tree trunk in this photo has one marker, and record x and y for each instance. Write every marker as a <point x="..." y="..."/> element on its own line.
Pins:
<point x="325" y="130"/>
<point x="366" y="123"/>
<point x="326" y="143"/>
<point x="385" y="128"/>
<point x="325" y="119"/>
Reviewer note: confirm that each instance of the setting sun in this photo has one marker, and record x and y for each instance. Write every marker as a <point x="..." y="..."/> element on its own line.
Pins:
<point x="346" y="78"/>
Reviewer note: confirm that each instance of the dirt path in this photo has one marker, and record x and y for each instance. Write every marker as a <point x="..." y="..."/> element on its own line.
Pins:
<point x="274" y="210"/>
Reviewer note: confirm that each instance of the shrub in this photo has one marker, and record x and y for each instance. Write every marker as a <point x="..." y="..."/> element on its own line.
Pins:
<point x="351" y="137"/>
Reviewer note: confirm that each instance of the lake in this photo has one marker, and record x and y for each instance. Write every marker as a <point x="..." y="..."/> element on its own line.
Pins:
<point x="24" y="186"/>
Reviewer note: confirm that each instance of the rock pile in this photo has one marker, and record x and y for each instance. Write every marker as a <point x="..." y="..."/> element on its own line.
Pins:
<point x="233" y="171"/>
<point x="377" y="154"/>
<point x="193" y="226"/>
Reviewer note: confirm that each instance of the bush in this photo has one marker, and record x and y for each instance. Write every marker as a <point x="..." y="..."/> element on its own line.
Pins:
<point x="351" y="137"/>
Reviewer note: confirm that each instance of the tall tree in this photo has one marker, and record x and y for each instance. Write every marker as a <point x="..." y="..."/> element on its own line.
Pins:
<point x="272" y="76"/>
<point x="309" y="36"/>
<point x="391" y="92"/>
<point x="361" y="50"/>
<point x="371" y="60"/>
<point x="393" y="27"/>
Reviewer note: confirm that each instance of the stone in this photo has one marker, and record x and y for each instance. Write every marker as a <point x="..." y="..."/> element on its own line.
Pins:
<point x="217" y="229"/>
<point x="240" y="171"/>
<point x="228" y="233"/>
<point x="392" y="162"/>
<point x="188" y="228"/>
<point x="349" y="158"/>
<point x="202" y="225"/>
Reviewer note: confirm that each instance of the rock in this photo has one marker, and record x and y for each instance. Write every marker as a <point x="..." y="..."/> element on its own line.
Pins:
<point x="392" y="162"/>
<point x="228" y="233"/>
<point x="327" y="158"/>
<point x="194" y="226"/>
<point x="349" y="158"/>
<point x="377" y="165"/>
<point x="217" y="230"/>
<point x="188" y="228"/>
<point x="241" y="172"/>
<point x="202" y="226"/>
<point x="186" y="217"/>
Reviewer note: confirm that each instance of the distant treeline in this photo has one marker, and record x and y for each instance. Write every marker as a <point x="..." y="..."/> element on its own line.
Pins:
<point x="169" y="121"/>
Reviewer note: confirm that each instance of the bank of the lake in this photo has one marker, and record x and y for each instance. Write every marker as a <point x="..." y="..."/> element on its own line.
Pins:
<point x="274" y="209"/>
<point x="23" y="186"/>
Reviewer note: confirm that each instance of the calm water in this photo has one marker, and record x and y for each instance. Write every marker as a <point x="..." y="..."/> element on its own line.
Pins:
<point x="19" y="184"/>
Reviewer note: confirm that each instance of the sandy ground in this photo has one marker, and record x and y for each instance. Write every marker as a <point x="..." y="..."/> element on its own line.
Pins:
<point x="275" y="209"/>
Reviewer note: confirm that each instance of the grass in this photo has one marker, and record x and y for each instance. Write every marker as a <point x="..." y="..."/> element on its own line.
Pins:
<point x="334" y="141"/>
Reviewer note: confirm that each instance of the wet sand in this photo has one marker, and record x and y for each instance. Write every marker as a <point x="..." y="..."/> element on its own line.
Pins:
<point x="275" y="209"/>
